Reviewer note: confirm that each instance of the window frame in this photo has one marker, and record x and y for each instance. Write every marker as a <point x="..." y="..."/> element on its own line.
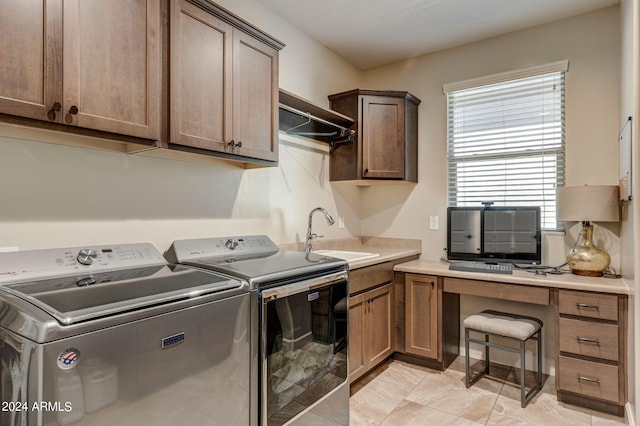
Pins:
<point x="550" y="151"/>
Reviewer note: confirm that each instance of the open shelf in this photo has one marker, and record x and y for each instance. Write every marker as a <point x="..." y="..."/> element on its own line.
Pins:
<point x="301" y="117"/>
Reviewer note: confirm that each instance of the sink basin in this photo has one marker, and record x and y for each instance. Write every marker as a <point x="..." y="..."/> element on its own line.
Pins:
<point x="347" y="255"/>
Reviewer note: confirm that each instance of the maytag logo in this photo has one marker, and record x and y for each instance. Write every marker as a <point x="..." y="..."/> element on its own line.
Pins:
<point x="172" y="340"/>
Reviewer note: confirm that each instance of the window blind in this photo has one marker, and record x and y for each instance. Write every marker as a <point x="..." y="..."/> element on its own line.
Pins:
<point x="505" y="143"/>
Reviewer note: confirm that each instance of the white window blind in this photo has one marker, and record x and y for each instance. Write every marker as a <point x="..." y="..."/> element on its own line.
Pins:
<point x="506" y="143"/>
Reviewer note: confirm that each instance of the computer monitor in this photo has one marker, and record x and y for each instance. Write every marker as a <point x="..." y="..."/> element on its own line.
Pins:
<point x="494" y="234"/>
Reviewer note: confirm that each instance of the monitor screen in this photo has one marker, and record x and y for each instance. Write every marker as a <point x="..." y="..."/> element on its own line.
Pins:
<point x="494" y="234"/>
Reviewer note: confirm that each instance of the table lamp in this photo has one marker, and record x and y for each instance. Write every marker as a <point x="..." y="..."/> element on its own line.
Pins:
<point x="586" y="204"/>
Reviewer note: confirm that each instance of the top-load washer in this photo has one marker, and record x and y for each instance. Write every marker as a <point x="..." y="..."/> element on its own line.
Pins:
<point x="299" y="311"/>
<point x="116" y="335"/>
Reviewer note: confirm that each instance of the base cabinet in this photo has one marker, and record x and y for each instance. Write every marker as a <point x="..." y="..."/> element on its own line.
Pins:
<point x="421" y="316"/>
<point x="591" y="356"/>
<point x="370" y="340"/>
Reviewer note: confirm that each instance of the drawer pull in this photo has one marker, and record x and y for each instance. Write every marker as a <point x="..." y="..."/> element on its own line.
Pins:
<point x="587" y="340"/>
<point x="587" y="306"/>
<point x="588" y="379"/>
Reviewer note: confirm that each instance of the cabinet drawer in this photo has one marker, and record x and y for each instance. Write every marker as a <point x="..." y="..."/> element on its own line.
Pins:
<point x="589" y="338"/>
<point x="593" y="305"/>
<point x="370" y="276"/>
<point x="589" y="378"/>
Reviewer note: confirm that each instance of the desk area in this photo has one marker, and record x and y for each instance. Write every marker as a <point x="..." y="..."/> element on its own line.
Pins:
<point x="590" y="330"/>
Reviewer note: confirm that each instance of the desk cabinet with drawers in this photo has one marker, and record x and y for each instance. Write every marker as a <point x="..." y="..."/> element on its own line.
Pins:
<point x="590" y="326"/>
<point x="591" y="365"/>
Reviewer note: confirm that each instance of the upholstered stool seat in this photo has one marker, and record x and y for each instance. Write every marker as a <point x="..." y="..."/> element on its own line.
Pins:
<point x="510" y="326"/>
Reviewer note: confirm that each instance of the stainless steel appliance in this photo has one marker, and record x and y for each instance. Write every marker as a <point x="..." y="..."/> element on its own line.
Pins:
<point x="115" y="335"/>
<point x="299" y="309"/>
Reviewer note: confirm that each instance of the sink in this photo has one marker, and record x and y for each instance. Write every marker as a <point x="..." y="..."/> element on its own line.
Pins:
<point x="347" y="255"/>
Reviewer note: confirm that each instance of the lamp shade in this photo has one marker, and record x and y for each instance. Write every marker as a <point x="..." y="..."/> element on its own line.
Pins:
<point x="587" y="203"/>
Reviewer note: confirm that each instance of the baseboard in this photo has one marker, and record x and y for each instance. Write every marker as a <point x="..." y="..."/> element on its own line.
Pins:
<point x="628" y="414"/>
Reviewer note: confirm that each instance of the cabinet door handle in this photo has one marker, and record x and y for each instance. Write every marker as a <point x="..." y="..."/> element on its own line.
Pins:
<point x="587" y="340"/>
<point x="366" y="171"/>
<point x="51" y="114"/>
<point x="588" y="379"/>
<point x="233" y="144"/>
<point x="69" y="117"/>
<point x="587" y="306"/>
<point x="432" y="284"/>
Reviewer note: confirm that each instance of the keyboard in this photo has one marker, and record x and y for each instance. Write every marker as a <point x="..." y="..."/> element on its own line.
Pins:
<point x="468" y="266"/>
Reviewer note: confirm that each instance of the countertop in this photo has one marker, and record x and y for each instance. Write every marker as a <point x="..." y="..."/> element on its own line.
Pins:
<point x="385" y="254"/>
<point x="564" y="281"/>
<point x="388" y="249"/>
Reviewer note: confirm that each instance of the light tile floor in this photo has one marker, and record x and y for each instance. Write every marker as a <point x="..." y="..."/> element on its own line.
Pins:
<point x="403" y="394"/>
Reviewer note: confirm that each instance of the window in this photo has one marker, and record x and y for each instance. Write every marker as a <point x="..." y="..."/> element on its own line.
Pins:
<point x="506" y="139"/>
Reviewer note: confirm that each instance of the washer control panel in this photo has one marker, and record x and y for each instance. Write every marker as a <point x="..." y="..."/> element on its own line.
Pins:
<point x="49" y="263"/>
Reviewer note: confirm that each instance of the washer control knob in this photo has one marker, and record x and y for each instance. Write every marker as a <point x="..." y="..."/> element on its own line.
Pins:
<point x="231" y="243"/>
<point x="87" y="256"/>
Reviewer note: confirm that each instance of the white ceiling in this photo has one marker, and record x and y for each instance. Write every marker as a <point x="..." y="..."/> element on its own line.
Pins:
<point x="370" y="33"/>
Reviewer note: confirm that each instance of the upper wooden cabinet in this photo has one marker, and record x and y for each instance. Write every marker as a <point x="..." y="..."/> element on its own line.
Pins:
<point x="223" y="92"/>
<point x="90" y="63"/>
<point x="387" y="144"/>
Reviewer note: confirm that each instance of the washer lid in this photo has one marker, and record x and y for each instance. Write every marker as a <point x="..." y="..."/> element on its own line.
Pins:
<point x="79" y="298"/>
<point x="270" y="268"/>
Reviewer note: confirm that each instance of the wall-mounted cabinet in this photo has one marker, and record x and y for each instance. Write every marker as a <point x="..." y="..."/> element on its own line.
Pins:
<point x="182" y="79"/>
<point x="387" y="143"/>
<point x="223" y="88"/>
<point x="82" y="64"/>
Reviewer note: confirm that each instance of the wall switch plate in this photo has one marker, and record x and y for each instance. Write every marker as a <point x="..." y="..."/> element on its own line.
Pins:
<point x="434" y="223"/>
<point x="341" y="222"/>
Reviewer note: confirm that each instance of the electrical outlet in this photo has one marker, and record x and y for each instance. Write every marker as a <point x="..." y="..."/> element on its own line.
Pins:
<point x="341" y="222"/>
<point x="434" y="223"/>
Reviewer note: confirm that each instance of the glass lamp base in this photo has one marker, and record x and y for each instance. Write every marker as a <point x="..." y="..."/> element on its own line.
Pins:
<point x="587" y="259"/>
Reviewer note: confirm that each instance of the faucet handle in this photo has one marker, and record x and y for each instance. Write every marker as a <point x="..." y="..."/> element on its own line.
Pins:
<point x="314" y="236"/>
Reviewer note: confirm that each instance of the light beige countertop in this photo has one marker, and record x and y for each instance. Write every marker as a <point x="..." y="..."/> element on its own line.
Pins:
<point x="564" y="281"/>
<point x="387" y="249"/>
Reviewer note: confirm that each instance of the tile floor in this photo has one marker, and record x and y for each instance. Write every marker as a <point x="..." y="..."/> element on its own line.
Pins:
<point x="401" y="394"/>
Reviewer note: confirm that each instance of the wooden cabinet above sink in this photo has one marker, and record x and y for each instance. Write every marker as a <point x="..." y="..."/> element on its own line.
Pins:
<point x="387" y="143"/>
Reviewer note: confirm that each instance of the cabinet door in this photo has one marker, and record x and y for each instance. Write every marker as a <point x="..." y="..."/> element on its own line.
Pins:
<point x="255" y="98"/>
<point x="383" y="133"/>
<point x="30" y="64"/>
<point x="112" y="66"/>
<point x="421" y="315"/>
<point x="200" y="105"/>
<point x="357" y="306"/>
<point x="379" y="344"/>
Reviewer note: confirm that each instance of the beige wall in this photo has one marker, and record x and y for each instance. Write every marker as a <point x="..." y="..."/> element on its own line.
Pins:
<point x="630" y="235"/>
<point x="591" y="44"/>
<point x="54" y="196"/>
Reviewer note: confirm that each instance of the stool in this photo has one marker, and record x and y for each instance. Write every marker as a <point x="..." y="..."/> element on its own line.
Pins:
<point x="515" y="327"/>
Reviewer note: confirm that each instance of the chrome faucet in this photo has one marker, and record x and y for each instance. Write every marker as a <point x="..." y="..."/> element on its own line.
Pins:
<point x="310" y="234"/>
